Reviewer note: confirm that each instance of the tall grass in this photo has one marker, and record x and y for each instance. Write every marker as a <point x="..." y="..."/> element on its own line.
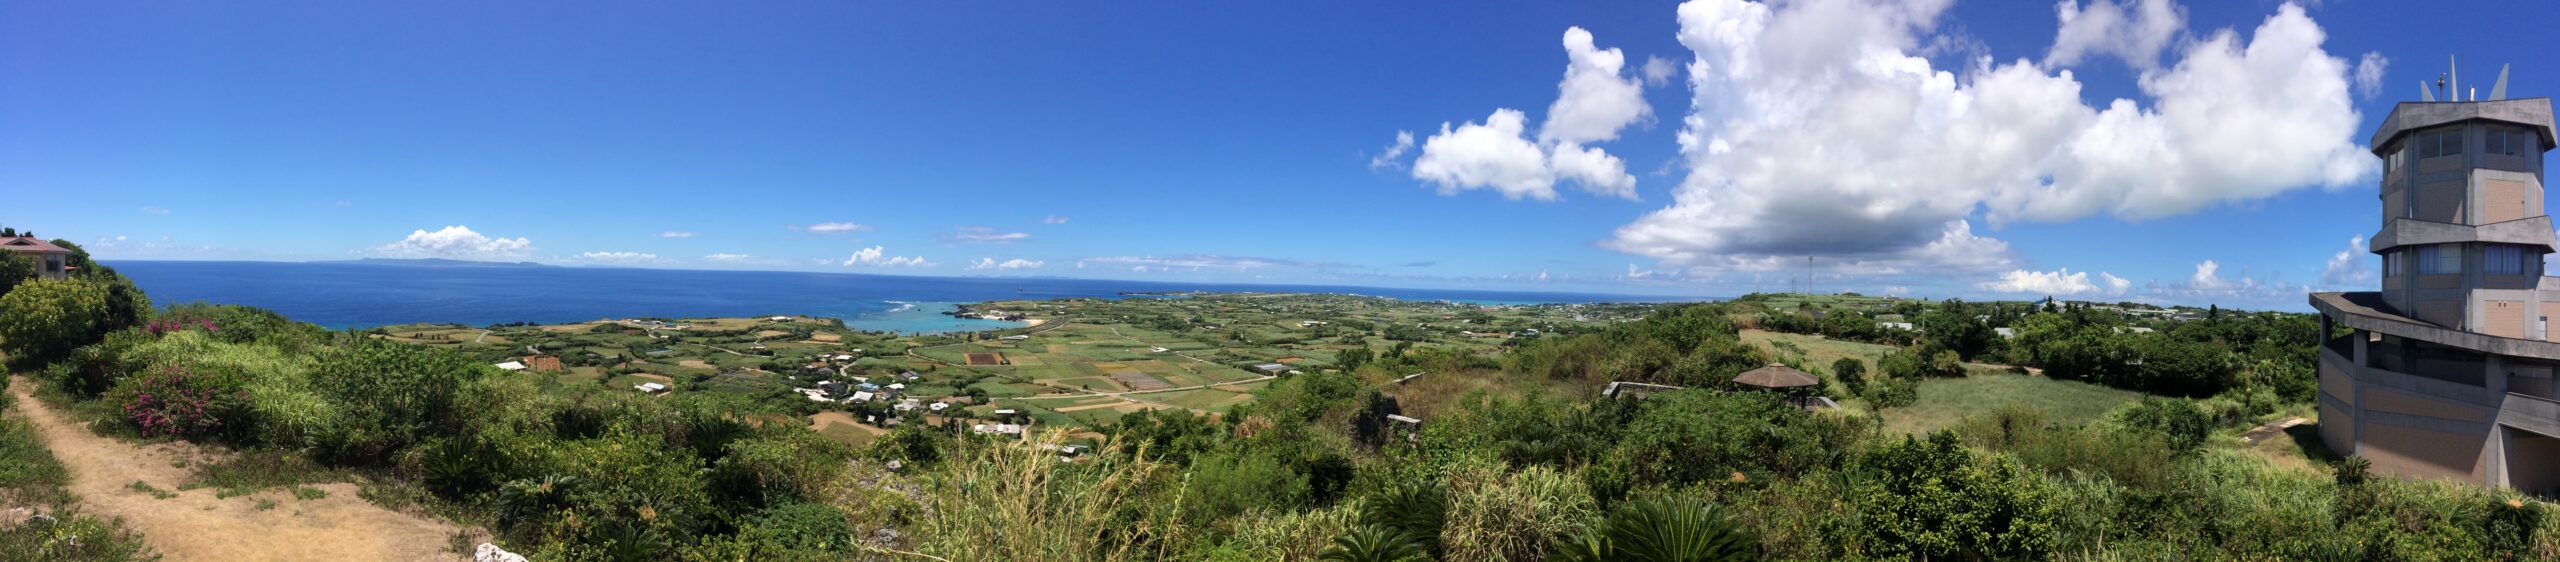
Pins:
<point x="1015" y="501"/>
<point x="1501" y="514"/>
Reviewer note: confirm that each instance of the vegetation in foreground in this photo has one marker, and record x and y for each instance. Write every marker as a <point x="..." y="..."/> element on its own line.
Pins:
<point x="1517" y="459"/>
<point x="39" y="520"/>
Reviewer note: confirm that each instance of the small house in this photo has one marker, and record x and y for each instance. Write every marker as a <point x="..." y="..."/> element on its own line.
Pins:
<point x="860" y="397"/>
<point x="1157" y="350"/>
<point x="1271" y="368"/>
<point x="511" y="366"/>
<point x="1016" y="337"/>
<point x="650" y="387"/>
<point x="52" y="262"/>
<point x="937" y="406"/>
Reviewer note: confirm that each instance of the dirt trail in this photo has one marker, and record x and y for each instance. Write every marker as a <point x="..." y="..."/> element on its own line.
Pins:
<point x="195" y="525"/>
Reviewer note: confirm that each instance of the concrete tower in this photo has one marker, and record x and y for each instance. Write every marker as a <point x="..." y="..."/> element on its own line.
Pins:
<point x="2448" y="370"/>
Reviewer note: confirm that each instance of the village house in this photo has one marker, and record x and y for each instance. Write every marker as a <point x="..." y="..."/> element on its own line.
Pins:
<point x="52" y="262"/>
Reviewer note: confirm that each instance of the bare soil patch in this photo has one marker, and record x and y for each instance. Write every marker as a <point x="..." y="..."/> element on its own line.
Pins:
<point x="196" y="525"/>
<point x="983" y="358"/>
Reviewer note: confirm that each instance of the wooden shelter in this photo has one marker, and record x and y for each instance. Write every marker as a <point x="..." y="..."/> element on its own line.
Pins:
<point x="1776" y="376"/>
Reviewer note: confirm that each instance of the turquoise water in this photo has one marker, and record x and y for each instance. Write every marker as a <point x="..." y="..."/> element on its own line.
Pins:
<point x="923" y="317"/>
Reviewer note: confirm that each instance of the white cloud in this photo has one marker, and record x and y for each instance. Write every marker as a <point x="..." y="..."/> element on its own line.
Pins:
<point x="2115" y="285"/>
<point x="1054" y="219"/>
<point x="457" y="242"/>
<point x="989" y="235"/>
<point x="155" y="210"/>
<point x="1595" y="101"/>
<point x="1659" y="71"/>
<point x="2369" y="73"/>
<point x="1813" y="131"/>
<point x="1016" y="263"/>
<point x="728" y="257"/>
<point x="620" y="257"/>
<point x="2208" y="285"/>
<point x="1491" y="154"/>
<point x="2349" y="268"/>
<point x="878" y="256"/>
<point x="676" y="234"/>
<point x="2208" y="277"/>
<point x="1596" y="98"/>
<point x="1195" y="261"/>
<point x="1393" y="155"/>
<point x="2133" y="30"/>
<point x="2058" y="282"/>
<point x="834" y="227"/>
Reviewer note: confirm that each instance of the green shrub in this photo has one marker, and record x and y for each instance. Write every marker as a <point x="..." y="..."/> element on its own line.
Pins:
<point x="1852" y="374"/>
<point x="69" y="536"/>
<point x="43" y="321"/>
<point x="390" y="396"/>
<point x="2180" y="421"/>
<point x="1933" y="499"/>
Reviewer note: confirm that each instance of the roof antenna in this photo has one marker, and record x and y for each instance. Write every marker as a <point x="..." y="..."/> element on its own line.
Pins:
<point x="2499" y="91"/>
<point x="2453" y="73"/>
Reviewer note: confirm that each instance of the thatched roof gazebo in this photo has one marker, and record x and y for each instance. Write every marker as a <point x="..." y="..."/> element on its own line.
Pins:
<point x="1776" y="376"/>
<point x="1801" y="388"/>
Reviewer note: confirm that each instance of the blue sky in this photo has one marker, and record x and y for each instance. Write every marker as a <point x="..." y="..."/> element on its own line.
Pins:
<point x="1249" y="142"/>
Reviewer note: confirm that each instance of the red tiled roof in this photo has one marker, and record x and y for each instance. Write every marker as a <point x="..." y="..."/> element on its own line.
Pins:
<point x="30" y="245"/>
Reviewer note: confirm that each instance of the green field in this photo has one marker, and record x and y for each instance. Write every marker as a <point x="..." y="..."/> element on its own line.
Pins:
<point x="1944" y="402"/>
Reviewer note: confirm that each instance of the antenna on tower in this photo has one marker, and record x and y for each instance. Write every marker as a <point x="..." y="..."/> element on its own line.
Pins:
<point x="2499" y="91"/>
<point x="1808" y="275"/>
<point x="2453" y="74"/>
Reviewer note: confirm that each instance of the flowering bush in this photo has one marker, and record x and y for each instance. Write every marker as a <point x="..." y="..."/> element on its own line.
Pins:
<point x="179" y="402"/>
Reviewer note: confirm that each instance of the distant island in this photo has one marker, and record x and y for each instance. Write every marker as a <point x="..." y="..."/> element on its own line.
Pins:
<point x="436" y="262"/>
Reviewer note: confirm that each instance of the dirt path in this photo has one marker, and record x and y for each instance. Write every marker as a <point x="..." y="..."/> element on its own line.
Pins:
<point x="2260" y="433"/>
<point x="195" y="525"/>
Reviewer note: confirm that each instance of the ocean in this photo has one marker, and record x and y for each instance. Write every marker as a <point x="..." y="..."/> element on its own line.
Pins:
<point x="359" y="295"/>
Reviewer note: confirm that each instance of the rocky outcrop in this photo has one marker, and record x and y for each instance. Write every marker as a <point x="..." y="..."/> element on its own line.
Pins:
<point x="489" y="552"/>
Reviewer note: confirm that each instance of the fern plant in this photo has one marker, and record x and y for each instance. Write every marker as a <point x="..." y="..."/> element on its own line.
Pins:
<point x="1661" y="530"/>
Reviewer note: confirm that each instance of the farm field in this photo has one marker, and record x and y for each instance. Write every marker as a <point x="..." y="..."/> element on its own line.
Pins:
<point x="1198" y="353"/>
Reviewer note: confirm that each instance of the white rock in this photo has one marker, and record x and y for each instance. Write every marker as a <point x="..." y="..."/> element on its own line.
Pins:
<point x="491" y="553"/>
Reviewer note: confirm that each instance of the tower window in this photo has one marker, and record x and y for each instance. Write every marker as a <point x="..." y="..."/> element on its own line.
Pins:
<point x="2433" y="260"/>
<point x="2502" y="260"/>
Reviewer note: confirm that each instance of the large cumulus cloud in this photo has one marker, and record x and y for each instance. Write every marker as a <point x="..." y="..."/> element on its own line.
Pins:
<point x="1816" y="129"/>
